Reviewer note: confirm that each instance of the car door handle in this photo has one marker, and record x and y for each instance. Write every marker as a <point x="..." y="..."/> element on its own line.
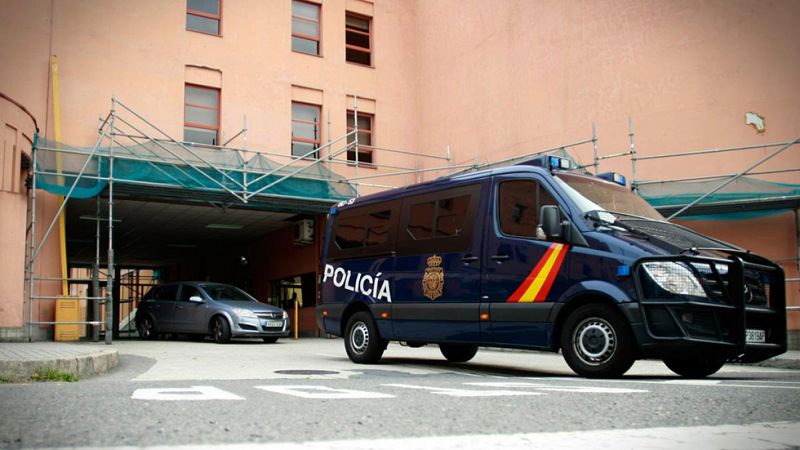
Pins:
<point x="469" y="259"/>
<point x="498" y="257"/>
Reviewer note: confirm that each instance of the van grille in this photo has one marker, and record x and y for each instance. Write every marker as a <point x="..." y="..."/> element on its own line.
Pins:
<point x="717" y="281"/>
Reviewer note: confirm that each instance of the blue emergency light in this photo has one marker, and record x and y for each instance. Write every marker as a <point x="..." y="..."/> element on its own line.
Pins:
<point x="549" y="162"/>
<point x="613" y="177"/>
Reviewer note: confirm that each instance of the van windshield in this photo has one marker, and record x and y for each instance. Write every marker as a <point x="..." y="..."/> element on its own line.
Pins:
<point x="592" y="194"/>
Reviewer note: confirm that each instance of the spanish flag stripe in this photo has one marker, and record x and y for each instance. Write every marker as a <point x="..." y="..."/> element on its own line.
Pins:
<point x="517" y="295"/>
<point x="541" y="277"/>
<point x="551" y="277"/>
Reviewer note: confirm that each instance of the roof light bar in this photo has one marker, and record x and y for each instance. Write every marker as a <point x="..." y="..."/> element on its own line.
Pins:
<point x="549" y="162"/>
<point x="614" y="178"/>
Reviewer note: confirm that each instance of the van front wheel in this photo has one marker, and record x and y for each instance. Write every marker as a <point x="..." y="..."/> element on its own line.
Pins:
<point x="362" y="341"/>
<point x="596" y="342"/>
<point x="699" y="367"/>
<point x="458" y="352"/>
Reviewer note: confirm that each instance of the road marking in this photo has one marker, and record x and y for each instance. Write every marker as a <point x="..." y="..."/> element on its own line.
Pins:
<point x="547" y="387"/>
<point x="322" y="392"/>
<point x="685" y="382"/>
<point x="192" y="393"/>
<point x="464" y="392"/>
<point x="758" y="436"/>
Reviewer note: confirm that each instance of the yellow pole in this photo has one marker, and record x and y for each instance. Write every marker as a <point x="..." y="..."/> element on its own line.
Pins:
<point x="296" y="324"/>
<point x="62" y="227"/>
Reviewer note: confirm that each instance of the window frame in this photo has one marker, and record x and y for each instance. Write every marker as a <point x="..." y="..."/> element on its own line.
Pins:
<point x="195" y="105"/>
<point x="318" y="39"/>
<point x="369" y="148"/>
<point x="407" y="245"/>
<point x="218" y="18"/>
<point x="370" y="50"/>
<point x="318" y="141"/>
<point x="336" y="253"/>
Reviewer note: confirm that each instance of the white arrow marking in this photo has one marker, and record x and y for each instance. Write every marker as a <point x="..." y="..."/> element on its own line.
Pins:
<point x="463" y="392"/>
<point x="192" y="393"/>
<point x="322" y="392"/>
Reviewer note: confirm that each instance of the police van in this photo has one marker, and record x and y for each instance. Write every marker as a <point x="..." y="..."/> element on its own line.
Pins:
<point x="538" y="256"/>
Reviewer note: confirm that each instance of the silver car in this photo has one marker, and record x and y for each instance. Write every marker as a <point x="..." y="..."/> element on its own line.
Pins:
<point x="199" y="308"/>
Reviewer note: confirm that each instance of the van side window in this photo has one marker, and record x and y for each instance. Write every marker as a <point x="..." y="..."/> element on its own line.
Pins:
<point x="518" y="205"/>
<point x="363" y="230"/>
<point x="438" y="219"/>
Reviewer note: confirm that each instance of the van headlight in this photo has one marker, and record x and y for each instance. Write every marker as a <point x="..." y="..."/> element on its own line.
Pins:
<point x="244" y="313"/>
<point x="674" y="278"/>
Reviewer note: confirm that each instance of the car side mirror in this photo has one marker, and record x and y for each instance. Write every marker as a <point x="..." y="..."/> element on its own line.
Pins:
<point x="196" y="299"/>
<point x="550" y="217"/>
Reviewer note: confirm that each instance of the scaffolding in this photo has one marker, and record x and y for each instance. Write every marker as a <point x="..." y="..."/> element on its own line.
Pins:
<point x="140" y="157"/>
<point x="134" y="156"/>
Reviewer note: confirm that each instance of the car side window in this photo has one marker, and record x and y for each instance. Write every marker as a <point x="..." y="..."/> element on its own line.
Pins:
<point x="518" y="205"/>
<point x="166" y="293"/>
<point x="189" y="291"/>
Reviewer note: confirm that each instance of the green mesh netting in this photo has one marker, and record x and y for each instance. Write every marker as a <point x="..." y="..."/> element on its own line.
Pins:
<point x="171" y="165"/>
<point x="680" y="193"/>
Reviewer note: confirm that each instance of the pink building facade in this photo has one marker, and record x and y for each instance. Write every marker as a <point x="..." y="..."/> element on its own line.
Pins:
<point x="467" y="82"/>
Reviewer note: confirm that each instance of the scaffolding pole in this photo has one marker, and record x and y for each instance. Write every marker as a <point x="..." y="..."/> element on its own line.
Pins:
<point x="110" y="251"/>
<point x="634" y="181"/>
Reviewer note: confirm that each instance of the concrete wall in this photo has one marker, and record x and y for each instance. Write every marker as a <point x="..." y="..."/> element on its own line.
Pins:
<point x="18" y="133"/>
<point x="505" y="77"/>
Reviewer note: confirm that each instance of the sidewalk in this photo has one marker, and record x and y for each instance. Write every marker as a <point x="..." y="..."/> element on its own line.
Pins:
<point x="788" y="360"/>
<point x="21" y="361"/>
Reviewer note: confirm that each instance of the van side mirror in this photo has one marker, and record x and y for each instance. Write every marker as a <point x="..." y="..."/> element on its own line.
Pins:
<point x="550" y="216"/>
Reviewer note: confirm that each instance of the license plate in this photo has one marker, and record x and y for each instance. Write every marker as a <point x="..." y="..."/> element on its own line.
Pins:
<point x="272" y="323"/>
<point x="756" y="336"/>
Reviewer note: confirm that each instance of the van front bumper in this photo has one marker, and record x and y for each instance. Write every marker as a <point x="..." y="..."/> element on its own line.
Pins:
<point x="731" y="322"/>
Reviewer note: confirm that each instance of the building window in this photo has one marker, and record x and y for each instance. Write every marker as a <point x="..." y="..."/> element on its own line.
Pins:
<point x="305" y="27"/>
<point x="365" y="138"/>
<point x="201" y="115"/>
<point x="358" y="39"/>
<point x="306" y="133"/>
<point x="204" y="16"/>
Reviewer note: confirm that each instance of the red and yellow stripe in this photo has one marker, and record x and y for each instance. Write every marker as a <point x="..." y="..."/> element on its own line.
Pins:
<point x="538" y="283"/>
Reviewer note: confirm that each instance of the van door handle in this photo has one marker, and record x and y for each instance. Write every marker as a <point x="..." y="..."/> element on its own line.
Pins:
<point x="469" y="259"/>
<point x="498" y="257"/>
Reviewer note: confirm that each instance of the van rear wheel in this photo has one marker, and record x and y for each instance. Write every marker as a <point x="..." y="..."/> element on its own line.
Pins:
<point x="362" y="341"/>
<point x="596" y="342"/>
<point x="458" y="352"/>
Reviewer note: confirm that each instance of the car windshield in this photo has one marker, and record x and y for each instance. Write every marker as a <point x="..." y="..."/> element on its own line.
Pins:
<point x="592" y="194"/>
<point x="225" y="293"/>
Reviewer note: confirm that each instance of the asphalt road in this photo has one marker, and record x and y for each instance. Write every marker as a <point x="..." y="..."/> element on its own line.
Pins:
<point x="172" y="393"/>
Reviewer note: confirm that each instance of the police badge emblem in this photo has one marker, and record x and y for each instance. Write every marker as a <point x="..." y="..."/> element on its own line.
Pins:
<point x="433" y="281"/>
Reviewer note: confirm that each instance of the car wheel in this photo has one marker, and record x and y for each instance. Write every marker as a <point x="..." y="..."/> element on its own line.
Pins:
<point x="597" y="343"/>
<point x="270" y="340"/>
<point x="220" y="330"/>
<point x="362" y="342"/>
<point x="146" y="328"/>
<point x="699" y="367"/>
<point x="458" y="352"/>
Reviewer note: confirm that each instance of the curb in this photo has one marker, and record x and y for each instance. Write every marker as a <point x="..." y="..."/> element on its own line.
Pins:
<point x="79" y="366"/>
<point x="779" y="363"/>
